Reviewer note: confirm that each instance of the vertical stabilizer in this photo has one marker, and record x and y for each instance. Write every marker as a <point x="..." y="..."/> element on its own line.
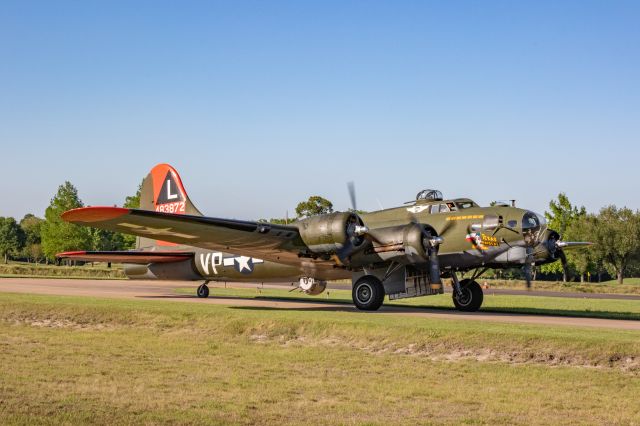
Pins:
<point x="162" y="191"/>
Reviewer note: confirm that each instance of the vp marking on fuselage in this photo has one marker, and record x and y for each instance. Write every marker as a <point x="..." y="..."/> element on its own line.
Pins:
<point x="212" y="260"/>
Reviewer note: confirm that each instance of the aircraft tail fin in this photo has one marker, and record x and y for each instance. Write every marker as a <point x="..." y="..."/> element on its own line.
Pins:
<point x="162" y="191"/>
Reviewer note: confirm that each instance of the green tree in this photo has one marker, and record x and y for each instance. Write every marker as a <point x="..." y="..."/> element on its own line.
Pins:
<point x="583" y="260"/>
<point x="563" y="213"/>
<point x="11" y="238"/>
<point x="57" y="235"/>
<point x="31" y="227"/>
<point x="126" y="241"/>
<point x="616" y="234"/>
<point x="103" y="240"/>
<point x="313" y="206"/>
<point x="561" y="216"/>
<point x="133" y="201"/>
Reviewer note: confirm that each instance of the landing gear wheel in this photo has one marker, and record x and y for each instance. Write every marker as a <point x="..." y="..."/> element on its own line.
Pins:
<point x="203" y="291"/>
<point x="368" y="293"/>
<point x="471" y="298"/>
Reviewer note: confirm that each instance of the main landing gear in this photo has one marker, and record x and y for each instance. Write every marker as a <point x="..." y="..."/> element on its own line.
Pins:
<point x="368" y="293"/>
<point x="467" y="294"/>
<point x="203" y="290"/>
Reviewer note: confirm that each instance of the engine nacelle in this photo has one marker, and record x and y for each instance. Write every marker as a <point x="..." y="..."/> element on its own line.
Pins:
<point x="403" y="243"/>
<point x="330" y="233"/>
<point x="311" y="286"/>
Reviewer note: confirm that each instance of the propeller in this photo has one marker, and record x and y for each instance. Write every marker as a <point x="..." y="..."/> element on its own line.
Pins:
<point x="434" y="264"/>
<point x="556" y="248"/>
<point x="355" y="230"/>
<point x="432" y="243"/>
<point x="359" y="230"/>
<point x="563" y="261"/>
<point x="529" y="260"/>
<point x="352" y="194"/>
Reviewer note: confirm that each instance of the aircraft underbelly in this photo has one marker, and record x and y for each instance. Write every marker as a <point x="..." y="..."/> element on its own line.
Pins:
<point x="218" y="266"/>
<point x="470" y="258"/>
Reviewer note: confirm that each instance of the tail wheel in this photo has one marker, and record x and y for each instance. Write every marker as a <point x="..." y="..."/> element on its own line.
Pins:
<point x="368" y="293"/>
<point x="203" y="291"/>
<point x="471" y="298"/>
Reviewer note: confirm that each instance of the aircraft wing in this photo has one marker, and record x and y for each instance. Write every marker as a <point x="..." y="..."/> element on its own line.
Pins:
<point x="134" y="257"/>
<point x="278" y="243"/>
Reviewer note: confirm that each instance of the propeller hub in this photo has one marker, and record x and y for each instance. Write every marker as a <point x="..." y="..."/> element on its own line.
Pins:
<point x="360" y="230"/>
<point x="436" y="241"/>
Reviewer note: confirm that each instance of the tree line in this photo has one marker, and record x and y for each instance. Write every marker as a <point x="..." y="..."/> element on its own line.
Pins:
<point x="614" y="231"/>
<point x="35" y="239"/>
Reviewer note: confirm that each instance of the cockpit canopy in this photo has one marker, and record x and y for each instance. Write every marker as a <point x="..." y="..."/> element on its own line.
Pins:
<point x="429" y="195"/>
<point x="433" y="201"/>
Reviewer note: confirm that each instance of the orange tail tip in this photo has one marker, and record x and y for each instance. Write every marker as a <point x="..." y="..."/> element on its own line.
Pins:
<point x="163" y="191"/>
<point x="169" y="195"/>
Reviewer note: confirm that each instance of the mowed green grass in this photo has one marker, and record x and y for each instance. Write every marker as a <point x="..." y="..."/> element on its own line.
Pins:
<point x="630" y="286"/>
<point x="563" y="306"/>
<point x="32" y="270"/>
<point x="83" y="360"/>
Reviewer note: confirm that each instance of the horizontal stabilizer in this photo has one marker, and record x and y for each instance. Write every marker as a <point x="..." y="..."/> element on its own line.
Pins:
<point x="134" y="257"/>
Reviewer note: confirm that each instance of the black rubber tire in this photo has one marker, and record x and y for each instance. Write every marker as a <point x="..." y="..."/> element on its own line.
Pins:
<point x="368" y="293"/>
<point x="472" y="296"/>
<point x="203" y="291"/>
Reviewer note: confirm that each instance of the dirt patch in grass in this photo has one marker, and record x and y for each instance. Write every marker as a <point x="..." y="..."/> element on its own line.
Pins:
<point x="446" y="352"/>
<point x="61" y="323"/>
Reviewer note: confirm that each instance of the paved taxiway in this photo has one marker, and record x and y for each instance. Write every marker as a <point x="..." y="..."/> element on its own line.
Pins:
<point x="165" y="290"/>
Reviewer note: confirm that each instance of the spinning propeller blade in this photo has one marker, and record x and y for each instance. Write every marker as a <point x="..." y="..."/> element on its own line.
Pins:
<point x="352" y="194"/>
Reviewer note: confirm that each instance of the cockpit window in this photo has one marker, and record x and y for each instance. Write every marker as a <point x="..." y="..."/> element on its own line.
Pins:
<point x="429" y="195"/>
<point x="530" y="221"/>
<point x="444" y="208"/>
<point x="467" y="204"/>
<point x="532" y="227"/>
<point x="490" y="223"/>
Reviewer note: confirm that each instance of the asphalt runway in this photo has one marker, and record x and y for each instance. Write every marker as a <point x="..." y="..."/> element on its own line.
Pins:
<point x="165" y="291"/>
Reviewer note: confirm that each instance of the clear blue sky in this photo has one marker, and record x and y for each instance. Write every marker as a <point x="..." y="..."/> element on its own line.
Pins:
<point x="261" y="104"/>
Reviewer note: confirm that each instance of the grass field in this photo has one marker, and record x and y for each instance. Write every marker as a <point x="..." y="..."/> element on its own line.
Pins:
<point x="630" y="286"/>
<point x="83" y="360"/>
<point x="564" y="306"/>
<point x="32" y="270"/>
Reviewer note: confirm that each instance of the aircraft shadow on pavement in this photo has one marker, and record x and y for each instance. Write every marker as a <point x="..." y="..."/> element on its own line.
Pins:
<point x="334" y="306"/>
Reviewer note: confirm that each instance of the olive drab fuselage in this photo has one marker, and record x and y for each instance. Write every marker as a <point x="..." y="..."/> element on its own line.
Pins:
<point x="473" y="237"/>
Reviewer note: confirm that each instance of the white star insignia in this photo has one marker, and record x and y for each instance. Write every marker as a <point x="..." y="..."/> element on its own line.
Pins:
<point x="243" y="263"/>
<point x="156" y="231"/>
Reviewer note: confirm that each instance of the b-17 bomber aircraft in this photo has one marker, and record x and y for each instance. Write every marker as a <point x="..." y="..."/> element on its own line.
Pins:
<point x="400" y="252"/>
